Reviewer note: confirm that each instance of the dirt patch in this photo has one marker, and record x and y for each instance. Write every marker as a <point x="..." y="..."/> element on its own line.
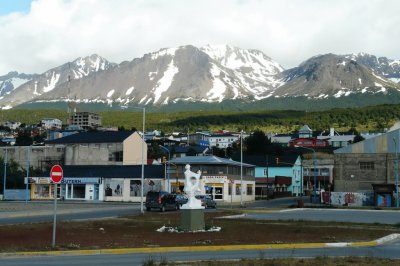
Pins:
<point x="140" y="231"/>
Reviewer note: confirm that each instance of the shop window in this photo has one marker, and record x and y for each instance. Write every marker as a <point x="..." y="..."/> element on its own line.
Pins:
<point x="367" y="165"/>
<point x="249" y="190"/>
<point x="79" y="191"/>
<point x="265" y="172"/>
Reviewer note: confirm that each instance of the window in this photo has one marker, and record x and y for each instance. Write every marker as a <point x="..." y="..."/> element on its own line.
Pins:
<point x="249" y="189"/>
<point x="230" y="189"/>
<point x="265" y="172"/>
<point x="238" y="189"/>
<point x="367" y="165"/>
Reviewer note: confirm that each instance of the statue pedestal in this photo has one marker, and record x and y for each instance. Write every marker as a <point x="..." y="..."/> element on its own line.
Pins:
<point x="192" y="219"/>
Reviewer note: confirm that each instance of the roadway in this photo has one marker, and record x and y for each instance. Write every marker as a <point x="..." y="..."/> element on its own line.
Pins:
<point x="389" y="250"/>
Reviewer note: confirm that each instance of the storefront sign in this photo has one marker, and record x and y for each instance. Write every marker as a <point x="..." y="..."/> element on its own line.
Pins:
<point x="82" y="180"/>
<point x="214" y="178"/>
<point x="66" y="180"/>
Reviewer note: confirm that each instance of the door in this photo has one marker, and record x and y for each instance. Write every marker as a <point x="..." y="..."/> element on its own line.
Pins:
<point x="96" y="192"/>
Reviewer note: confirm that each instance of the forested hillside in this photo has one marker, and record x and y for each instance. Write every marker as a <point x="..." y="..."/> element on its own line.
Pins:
<point x="374" y="118"/>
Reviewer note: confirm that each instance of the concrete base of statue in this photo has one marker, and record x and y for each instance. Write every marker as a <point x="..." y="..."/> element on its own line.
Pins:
<point x="192" y="220"/>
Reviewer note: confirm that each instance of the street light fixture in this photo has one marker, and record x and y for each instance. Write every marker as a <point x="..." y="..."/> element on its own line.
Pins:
<point x="142" y="174"/>
<point x="314" y="196"/>
<point x="169" y="159"/>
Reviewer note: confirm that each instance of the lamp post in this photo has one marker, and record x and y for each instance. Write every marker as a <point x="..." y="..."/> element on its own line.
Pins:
<point x="241" y="168"/>
<point x="314" y="196"/>
<point x="168" y="168"/>
<point x="142" y="174"/>
<point x="397" y="173"/>
<point x="5" y="174"/>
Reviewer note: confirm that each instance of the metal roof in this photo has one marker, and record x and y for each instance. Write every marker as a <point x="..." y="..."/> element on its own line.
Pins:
<point x="93" y="137"/>
<point x="212" y="160"/>
<point x="113" y="171"/>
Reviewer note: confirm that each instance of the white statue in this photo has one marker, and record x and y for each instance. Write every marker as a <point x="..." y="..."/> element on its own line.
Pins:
<point x="192" y="188"/>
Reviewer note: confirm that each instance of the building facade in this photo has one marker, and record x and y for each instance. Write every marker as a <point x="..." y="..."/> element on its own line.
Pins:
<point x="86" y="120"/>
<point x="220" y="177"/>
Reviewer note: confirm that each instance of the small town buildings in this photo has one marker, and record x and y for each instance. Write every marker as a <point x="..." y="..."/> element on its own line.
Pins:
<point x="182" y="151"/>
<point x="220" y="177"/>
<point x="305" y="132"/>
<point x="11" y="124"/>
<point x="86" y="120"/>
<point x="51" y="123"/>
<point x="323" y="170"/>
<point x="102" y="148"/>
<point x="309" y="142"/>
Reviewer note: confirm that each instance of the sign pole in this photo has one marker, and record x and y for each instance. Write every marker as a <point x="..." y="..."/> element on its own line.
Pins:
<point x="56" y="175"/>
<point x="55" y="216"/>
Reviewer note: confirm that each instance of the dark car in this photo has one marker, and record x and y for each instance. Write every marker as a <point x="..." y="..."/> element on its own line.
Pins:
<point x="181" y="199"/>
<point x="161" y="200"/>
<point x="207" y="201"/>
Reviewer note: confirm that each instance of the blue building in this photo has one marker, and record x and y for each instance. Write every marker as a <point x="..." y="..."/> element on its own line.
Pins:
<point x="277" y="175"/>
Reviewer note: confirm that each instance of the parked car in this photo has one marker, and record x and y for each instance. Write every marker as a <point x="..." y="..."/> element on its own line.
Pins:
<point x="181" y="199"/>
<point x="161" y="200"/>
<point x="207" y="201"/>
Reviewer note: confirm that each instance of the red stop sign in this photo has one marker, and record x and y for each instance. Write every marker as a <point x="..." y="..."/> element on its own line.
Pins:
<point x="56" y="174"/>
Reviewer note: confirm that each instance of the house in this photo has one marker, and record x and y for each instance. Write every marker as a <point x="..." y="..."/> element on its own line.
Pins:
<point x="100" y="183"/>
<point x="182" y="151"/>
<point x="322" y="168"/>
<point x="12" y="125"/>
<point x="305" y="132"/>
<point x="222" y="141"/>
<point x="102" y="148"/>
<point x="220" y="178"/>
<point x="336" y="140"/>
<point x="50" y="123"/>
<point x="85" y="120"/>
<point x="309" y="142"/>
<point x="277" y="175"/>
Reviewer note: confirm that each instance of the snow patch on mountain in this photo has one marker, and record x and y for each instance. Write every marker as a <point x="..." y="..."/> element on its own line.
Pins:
<point x="110" y="93"/>
<point x="129" y="91"/>
<point x="51" y="83"/>
<point x="165" y="82"/>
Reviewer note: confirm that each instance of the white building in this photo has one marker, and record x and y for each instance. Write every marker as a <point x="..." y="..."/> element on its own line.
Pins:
<point x="222" y="141"/>
<point x="51" y="123"/>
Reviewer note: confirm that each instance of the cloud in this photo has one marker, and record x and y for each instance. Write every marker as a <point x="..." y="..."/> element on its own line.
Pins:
<point x="56" y="31"/>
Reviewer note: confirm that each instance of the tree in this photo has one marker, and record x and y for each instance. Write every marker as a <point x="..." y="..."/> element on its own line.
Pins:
<point x="24" y="138"/>
<point x="257" y="143"/>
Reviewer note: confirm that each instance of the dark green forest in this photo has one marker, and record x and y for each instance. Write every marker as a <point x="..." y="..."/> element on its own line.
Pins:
<point x="373" y="118"/>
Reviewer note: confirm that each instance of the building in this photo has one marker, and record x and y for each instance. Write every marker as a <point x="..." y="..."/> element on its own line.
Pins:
<point x="102" y="148"/>
<point x="277" y="176"/>
<point x="51" y="123"/>
<point x="305" y="132"/>
<point x="100" y="183"/>
<point x="336" y="140"/>
<point x="220" y="177"/>
<point x="182" y="151"/>
<point x="85" y="120"/>
<point x="309" y="142"/>
<point x="361" y="165"/>
<point x="324" y="172"/>
<point x="11" y="124"/>
<point x="222" y="141"/>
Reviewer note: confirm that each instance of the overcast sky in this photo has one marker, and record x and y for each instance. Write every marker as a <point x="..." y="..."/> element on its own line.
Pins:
<point x="41" y="34"/>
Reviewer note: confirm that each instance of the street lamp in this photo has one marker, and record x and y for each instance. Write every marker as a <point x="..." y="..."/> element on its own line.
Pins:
<point x="241" y="168"/>
<point x="314" y="196"/>
<point x="142" y="175"/>
<point x="169" y="159"/>
<point x="397" y="173"/>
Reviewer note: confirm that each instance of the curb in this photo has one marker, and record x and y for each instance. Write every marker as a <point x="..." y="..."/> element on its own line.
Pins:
<point x="121" y="251"/>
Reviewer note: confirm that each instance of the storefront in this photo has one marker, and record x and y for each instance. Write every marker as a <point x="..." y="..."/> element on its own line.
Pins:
<point x="71" y="188"/>
<point x="129" y="190"/>
<point x="220" y="178"/>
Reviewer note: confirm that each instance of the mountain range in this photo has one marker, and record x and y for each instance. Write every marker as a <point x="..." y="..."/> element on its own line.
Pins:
<point x="212" y="75"/>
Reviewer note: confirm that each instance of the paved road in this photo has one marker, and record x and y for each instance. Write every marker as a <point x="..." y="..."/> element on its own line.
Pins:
<point x="389" y="250"/>
<point x="328" y="215"/>
<point x="33" y="212"/>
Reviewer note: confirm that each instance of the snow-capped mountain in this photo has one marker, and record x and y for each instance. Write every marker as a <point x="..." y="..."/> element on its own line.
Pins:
<point x="382" y="66"/>
<point x="331" y="75"/>
<point x="12" y="81"/>
<point x="209" y="74"/>
<point x="186" y="73"/>
<point x="37" y="85"/>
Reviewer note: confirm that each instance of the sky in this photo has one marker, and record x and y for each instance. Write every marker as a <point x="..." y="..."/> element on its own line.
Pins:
<point x="37" y="35"/>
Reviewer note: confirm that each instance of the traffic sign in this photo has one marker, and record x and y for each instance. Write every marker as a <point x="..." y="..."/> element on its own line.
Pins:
<point x="56" y="174"/>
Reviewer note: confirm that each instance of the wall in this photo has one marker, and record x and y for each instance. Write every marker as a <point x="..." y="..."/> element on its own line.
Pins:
<point x="129" y="189"/>
<point x="349" y="198"/>
<point x="349" y="177"/>
<point x="38" y="156"/>
<point x="132" y="148"/>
